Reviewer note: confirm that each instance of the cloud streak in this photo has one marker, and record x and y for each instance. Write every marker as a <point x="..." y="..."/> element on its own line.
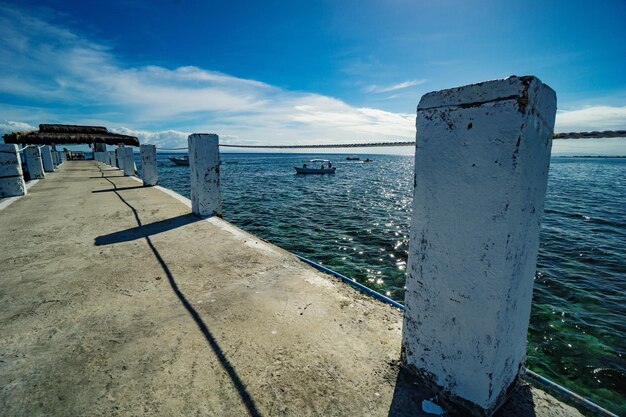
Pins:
<point x="395" y="87"/>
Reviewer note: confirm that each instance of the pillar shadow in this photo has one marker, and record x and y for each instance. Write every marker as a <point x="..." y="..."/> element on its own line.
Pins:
<point x="410" y="392"/>
<point x="110" y="190"/>
<point x="217" y="350"/>
<point x="146" y="230"/>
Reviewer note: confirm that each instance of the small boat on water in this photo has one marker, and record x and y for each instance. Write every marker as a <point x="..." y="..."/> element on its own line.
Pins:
<point x="368" y="160"/>
<point x="183" y="160"/>
<point x="353" y="158"/>
<point x="323" y="169"/>
<point x="302" y="170"/>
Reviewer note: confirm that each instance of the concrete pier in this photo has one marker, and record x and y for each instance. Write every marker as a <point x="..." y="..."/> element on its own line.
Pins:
<point x="481" y="169"/>
<point x="129" y="161"/>
<point x="46" y="158"/>
<point x="204" y="178"/>
<point x="34" y="162"/>
<point x="148" y="165"/>
<point x="11" y="175"/>
<point x="124" y="303"/>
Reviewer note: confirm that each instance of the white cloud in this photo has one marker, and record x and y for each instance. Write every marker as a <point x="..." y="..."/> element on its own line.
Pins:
<point x="386" y="89"/>
<point x="591" y="118"/>
<point x="9" y="126"/>
<point x="73" y="80"/>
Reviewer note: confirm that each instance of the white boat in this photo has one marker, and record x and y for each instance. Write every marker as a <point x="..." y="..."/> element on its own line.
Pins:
<point x="301" y="170"/>
<point x="324" y="169"/>
<point x="183" y="160"/>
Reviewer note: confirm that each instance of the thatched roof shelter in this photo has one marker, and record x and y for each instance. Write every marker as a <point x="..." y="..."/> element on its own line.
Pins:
<point x="70" y="135"/>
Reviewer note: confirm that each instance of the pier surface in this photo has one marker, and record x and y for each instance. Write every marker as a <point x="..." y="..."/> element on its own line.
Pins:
<point x="116" y="301"/>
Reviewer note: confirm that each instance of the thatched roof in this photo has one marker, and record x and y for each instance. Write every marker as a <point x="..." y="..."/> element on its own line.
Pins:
<point x="69" y="134"/>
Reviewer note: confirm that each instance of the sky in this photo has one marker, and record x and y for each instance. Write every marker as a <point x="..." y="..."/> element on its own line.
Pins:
<point x="298" y="72"/>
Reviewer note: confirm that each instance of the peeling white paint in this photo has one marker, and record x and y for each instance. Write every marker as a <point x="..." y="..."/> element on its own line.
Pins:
<point x="33" y="160"/>
<point x="148" y="165"/>
<point x="46" y="158"/>
<point x="11" y="175"/>
<point x="129" y="162"/>
<point x="6" y="202"/>
<point x="112" y="159"/>
<point x="204" y="164"/>
<point x="481" y="166"/>
<point x="119" y="155"/>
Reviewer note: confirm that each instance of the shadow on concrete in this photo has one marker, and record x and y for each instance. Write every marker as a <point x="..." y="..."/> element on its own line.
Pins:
<point x="521" y="403"/>
<point x="410" y="392"/>
<point x="217" y="350"/>
<point x="146" y="229"/>
<point x="407" y="396"/>
<point x="110" y="190"/>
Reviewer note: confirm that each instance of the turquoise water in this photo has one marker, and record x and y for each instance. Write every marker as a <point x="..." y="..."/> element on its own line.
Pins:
<point x="357" y="222"/>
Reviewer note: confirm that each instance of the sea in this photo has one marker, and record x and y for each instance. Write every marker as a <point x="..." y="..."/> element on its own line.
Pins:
<point x="356" y="222"/>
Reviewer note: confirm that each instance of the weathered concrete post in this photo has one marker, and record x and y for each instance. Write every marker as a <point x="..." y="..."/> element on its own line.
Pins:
<point x="204" y="164"/>
<point x="481" y="168"/>
<point x="11" y="175"/>
<point x="46" y="158"/>
<point x="112" y="158"/>
<point x="33" y="160"/>
<point x="148" y="165"/>
<point x="119" y="155"/>
<point x="129" y="162"/>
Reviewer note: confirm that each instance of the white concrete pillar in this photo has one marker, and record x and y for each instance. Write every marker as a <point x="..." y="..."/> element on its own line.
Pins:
<point x="35" y="165"/>
<point x="148" y="165"/>
<point x="129" y="162"/>
<point x="11" y="175"/>
<point x="112" y="158"/>
<point x="481" y="167"/>
<point x="204" y="164"/>
<point x="46" y="158"/>
<point x="119" y="155"/>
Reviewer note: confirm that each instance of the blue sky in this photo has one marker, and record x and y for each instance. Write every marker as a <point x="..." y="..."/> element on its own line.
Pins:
<point x="300" y="71"/>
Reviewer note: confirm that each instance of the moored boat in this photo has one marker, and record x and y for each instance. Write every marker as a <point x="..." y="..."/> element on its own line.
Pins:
<point x="323" y="169"/>
<point x="302" y="170"/>
<point x="183" y="160"/>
